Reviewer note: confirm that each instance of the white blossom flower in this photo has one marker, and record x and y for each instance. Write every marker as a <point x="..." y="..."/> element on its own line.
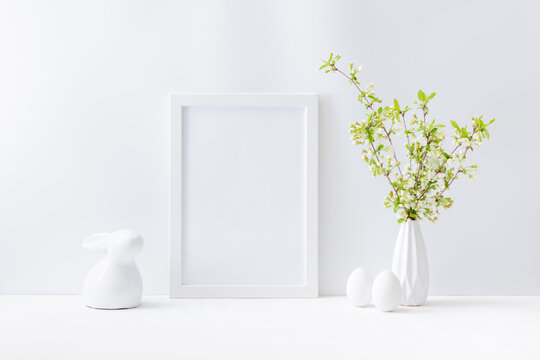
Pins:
<point x="369" y="88"/>
<point x="464" y="141"/>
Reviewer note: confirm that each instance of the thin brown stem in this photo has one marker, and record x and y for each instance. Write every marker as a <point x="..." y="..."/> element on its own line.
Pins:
<point x="408" y="139"/>
<point x="460" y="169"/>
<point x="425" y="151"/>
<point x="442" y="165"/>
<point x="370" y="106"/>
<point x="393" y="150"/>
<point x="450" y="183"/>
<point x="347" y="76"/>
<point x="384" y="171"/>
<point x="437" y="173"/>
<point x="421" y="164"/>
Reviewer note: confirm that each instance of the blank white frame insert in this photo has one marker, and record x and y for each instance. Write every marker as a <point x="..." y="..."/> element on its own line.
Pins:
<point x="243" y="196"/>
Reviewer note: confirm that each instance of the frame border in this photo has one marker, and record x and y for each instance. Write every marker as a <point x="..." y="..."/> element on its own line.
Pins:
<point x="310" y="287"/>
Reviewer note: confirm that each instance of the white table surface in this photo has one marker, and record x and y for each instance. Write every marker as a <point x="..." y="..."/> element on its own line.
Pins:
<point x="60" y="327"/>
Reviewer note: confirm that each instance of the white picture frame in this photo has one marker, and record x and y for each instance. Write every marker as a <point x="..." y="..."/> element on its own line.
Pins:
<point x="243" y="211"/>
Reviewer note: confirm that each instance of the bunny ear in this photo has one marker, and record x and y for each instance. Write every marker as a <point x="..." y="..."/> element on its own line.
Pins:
<point x="97" y="241"/>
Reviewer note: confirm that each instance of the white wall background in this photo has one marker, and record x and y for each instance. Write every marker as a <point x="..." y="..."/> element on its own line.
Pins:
<point x="84" y="117"/>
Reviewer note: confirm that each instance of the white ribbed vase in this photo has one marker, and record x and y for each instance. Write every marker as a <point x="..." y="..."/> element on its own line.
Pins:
<point x="410" y="264"/>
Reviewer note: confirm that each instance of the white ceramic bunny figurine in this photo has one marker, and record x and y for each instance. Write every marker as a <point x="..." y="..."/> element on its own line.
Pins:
<point x="114" y="282"/>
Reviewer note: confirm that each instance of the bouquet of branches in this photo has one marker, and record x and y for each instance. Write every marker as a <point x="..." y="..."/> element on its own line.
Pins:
<point x="419" y="185"/>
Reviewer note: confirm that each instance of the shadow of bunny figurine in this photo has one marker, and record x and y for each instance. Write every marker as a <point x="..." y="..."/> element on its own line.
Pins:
<point x="115" y="281"/>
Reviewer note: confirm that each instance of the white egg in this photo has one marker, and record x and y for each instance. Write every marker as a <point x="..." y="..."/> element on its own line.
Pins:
<point x="359" y="287"/>
<point x="386" y="291"/>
